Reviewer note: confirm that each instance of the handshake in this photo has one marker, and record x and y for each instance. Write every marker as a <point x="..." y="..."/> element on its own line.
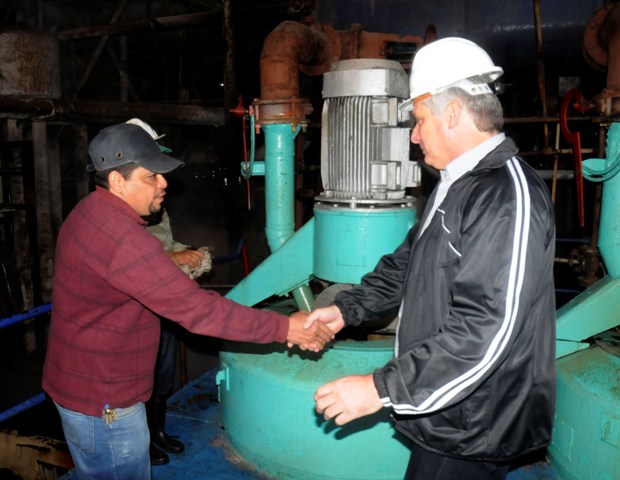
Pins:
<point x="311" y="331"/>
<point x="343" y="399"/>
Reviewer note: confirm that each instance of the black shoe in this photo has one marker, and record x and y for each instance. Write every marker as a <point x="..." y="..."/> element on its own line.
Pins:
<point x="167" y="443"/>
<point x="156" y="416"/>
<point x="157" y="456"/>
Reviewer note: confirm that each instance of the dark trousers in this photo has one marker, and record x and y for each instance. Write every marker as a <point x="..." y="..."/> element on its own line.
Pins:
<point x="426" y="465"/>
<point x="166" y="358"/>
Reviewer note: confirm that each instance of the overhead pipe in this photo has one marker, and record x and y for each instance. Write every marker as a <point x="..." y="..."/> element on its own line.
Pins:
<point x="294" y="47"/>
<point x="601" y="46"/>
<point x="29" y="107"/>
<point x="289" y="46"/>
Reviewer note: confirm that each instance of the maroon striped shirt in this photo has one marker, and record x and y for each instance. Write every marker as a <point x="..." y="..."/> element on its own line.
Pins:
<point x="111" y="277"/>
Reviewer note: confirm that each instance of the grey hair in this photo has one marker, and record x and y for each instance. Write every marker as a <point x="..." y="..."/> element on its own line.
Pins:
<point x="485" y="109"/>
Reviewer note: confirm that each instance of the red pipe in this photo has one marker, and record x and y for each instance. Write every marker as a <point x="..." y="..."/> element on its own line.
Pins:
<point x="575" y="140"/>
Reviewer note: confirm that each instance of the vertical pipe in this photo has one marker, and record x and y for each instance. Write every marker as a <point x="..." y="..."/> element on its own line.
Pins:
<point x="609" y="231"/>
<point x="23" y="240"/>
<point x="55" y="180"/>
<point x="43" y="195"/>
<point x="279" y="183"/>
<point x="610" y="34"/>
<point x="540" y="61"/>
<point x="230" y="77"/>
<point x="280" y="194"/>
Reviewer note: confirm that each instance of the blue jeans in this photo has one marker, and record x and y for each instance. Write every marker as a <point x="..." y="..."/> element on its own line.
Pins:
<point x="117" y="451"/>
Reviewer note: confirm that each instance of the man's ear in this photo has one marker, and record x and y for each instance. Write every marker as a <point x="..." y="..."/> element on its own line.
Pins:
<point x="453" y="113"/>
<point x="116" y="181"/>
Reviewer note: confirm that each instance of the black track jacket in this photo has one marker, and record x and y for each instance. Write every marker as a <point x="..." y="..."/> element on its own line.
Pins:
<point x="474" y="371"/>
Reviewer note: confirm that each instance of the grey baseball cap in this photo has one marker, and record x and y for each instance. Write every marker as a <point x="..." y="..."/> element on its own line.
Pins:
<point x="126" y="143"/>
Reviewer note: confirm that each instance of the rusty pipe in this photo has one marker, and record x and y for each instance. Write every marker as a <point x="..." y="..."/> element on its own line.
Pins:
<point x="601" y="47"/>
<point x="609" y="35"/>
<point x="294" y="47"/>
<point x="102" y="111"/>
<point x="289" y="46"/>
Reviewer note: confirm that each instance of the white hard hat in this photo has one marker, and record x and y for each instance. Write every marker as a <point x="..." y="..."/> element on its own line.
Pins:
<point x="450" y="62"/>
<point x="145" y="126"/>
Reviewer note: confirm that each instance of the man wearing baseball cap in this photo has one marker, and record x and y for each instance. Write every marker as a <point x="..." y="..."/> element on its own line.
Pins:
<point x="112" y="278"/>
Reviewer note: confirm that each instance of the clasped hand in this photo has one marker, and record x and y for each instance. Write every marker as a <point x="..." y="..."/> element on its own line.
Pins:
<point x="311" y="337"/>
<point x="311" y="331"/>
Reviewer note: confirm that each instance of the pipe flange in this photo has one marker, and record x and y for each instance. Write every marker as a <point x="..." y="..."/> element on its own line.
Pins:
<point x="329" y="203"/>
<point x="608" y="103"/>
<point x="290" y="110"/>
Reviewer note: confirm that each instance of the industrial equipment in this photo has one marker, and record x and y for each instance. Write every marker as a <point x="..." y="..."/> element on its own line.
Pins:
<point x="268" y="394"/>
<point x="363" y="213"/>
<point x="586" y="437"/>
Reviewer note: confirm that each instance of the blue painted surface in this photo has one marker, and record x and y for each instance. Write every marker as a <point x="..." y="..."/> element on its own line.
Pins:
<point x="193" y="417"/>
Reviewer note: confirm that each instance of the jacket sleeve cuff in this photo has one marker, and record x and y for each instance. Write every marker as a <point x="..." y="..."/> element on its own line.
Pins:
<point x="377" y="378"/>
<point x="344" y="311"/>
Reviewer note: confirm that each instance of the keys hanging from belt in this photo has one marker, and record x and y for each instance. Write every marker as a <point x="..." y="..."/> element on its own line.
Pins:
<point x="109" y="415"/>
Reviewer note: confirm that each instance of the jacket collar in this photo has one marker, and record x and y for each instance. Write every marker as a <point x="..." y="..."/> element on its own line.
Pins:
<point x="497" y="158"/>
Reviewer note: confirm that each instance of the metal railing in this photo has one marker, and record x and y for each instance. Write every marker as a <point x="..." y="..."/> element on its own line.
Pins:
<point x="37" y="399"/>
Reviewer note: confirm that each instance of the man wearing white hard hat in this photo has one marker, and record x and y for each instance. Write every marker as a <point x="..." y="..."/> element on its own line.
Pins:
<point x="473" y="378"/>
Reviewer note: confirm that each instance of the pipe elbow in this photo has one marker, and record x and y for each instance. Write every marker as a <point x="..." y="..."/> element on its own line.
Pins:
<point x="288" y="47"/>
<point x="601" y="33"/>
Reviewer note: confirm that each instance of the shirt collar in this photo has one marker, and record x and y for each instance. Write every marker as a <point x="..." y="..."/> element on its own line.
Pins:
<point x="468" y="160"/>
<point x="119" y="203"/>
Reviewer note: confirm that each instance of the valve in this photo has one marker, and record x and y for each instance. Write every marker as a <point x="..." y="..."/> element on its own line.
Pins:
<point x="586" y="260"/>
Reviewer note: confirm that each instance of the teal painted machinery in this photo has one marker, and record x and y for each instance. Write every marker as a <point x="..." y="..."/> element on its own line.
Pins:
<point x="268" y="414"/>
<point x="363" y="212"/>
<point x="266" y="394"/>
<point x="586" y="437"/>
